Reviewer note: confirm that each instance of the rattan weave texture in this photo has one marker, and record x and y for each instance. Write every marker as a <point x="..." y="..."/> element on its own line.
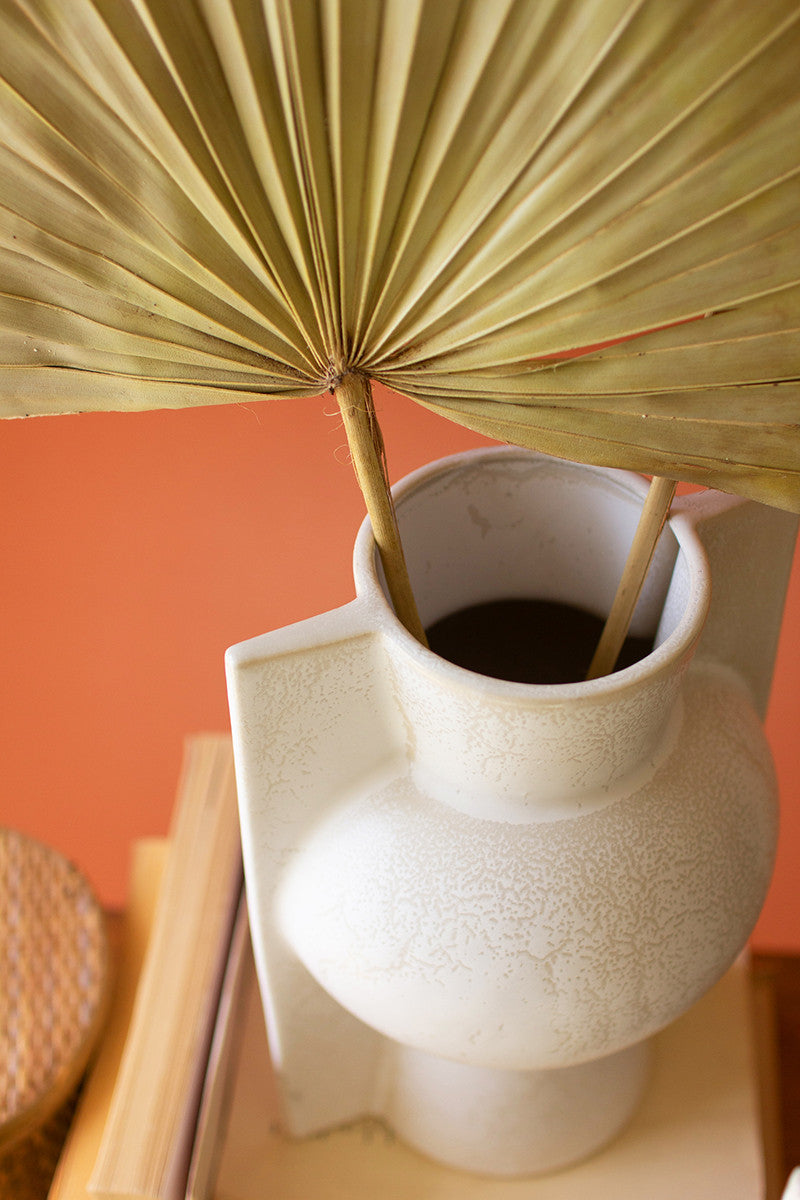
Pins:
<point x="54" y="983"/>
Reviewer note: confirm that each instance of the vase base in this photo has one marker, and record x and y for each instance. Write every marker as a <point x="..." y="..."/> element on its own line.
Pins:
<point x="512" y="1123"/>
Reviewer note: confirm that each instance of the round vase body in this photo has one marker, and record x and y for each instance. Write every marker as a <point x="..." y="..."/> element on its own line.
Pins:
<point x="512" y="886"/>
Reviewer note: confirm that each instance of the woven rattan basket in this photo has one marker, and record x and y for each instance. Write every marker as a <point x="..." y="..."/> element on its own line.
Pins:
<point x="54" y="985"/>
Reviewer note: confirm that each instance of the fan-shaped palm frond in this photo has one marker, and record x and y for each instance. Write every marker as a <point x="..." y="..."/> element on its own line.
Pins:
<point x="572" y="224"/>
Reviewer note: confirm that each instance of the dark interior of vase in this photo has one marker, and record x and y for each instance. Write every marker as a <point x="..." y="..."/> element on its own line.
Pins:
<point x="527" y="640"/>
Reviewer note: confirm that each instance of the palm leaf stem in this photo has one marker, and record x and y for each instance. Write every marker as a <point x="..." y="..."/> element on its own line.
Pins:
<point x="654" y="513"/>
<point x="354" y="396"/>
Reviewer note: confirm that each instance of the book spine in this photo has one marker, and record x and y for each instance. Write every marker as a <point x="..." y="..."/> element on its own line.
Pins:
<point x="149" y="1134"/>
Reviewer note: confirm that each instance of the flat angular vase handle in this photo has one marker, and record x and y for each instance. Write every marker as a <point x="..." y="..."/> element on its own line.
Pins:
<point x="749" y="547"/>
<point x="310" y="720"/>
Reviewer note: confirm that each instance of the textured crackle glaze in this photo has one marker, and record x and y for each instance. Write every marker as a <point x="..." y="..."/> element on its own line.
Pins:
<point x="473" y="901"/>
<point x="546" y="943"/>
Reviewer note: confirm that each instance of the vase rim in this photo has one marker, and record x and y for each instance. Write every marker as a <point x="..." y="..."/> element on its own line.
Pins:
<point x="676" y="648"/>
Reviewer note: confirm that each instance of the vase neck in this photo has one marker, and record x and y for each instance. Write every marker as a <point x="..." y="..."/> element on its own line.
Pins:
<point x="519" y="754"/>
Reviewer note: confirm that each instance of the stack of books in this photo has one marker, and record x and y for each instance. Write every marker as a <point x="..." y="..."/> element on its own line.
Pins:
<point x="152" y="1111"/>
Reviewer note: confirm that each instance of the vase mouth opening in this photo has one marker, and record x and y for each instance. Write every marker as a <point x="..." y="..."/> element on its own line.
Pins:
<point x="536" y="534"/>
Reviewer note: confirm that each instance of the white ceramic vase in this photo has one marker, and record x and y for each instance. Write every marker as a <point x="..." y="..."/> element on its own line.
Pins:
<point x="474" y="901"/>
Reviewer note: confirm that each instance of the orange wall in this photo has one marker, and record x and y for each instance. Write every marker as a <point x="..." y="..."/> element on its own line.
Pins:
<point x="137" y="547"/>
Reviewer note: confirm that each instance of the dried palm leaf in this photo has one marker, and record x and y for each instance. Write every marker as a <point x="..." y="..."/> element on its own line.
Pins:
<point x="572" y="224"/>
